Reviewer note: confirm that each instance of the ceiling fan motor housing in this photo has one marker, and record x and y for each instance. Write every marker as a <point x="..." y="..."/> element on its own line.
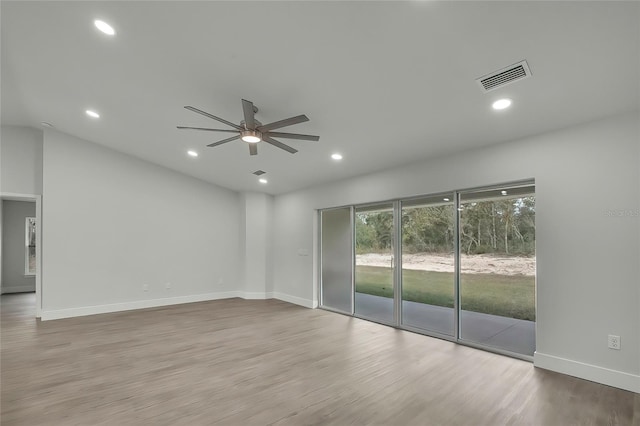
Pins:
<point x="243" y="124"/>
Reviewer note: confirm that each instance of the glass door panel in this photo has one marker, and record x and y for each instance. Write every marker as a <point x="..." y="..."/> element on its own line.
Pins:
<point x="374" y="262"/>
<point x="428" y="264"/>
<point x="497" y="268"/>
<point x="336" y="291"/>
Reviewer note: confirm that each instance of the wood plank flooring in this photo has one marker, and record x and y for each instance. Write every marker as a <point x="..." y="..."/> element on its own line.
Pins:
<point x="266" y="362"/>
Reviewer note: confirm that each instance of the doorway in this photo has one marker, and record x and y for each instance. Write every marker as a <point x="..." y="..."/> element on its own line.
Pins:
<point x="21" y="248"/>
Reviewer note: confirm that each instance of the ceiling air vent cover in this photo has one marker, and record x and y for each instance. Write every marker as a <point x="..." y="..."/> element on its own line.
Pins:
<point x="504" y="76"/>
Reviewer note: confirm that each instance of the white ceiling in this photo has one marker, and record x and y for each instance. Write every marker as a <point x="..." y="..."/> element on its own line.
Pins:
<point x="383" y="83"/>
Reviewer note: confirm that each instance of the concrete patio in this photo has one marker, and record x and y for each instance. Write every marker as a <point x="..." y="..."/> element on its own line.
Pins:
<point x="505" y="333"/>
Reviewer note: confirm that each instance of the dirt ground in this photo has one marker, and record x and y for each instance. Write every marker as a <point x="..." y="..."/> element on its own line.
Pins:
<point x="476" y="263"/>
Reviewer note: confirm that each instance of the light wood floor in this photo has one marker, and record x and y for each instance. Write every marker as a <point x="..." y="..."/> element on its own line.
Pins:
<point x="241" y="362"/>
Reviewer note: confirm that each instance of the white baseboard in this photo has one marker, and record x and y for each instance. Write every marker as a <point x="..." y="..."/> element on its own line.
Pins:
<point x="254" y="295"/>
<point x="138" y="304"/>
<point x="153" y="303"/>
<point x="618" y="379"/>
<point x="295" y="300"/>
<point x="18" y="288"/>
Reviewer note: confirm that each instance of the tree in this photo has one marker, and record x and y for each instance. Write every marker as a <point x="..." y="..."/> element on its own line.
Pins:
<point x="498" y="226"/>
<point x="365" y="235"/>
<point x="502" y="226"/>
<point x="428" y="228"/>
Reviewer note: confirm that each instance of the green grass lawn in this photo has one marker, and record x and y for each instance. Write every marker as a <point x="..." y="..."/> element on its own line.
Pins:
<point x="505" y="295"/>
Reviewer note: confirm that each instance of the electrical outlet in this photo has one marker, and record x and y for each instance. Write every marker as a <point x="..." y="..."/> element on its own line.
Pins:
<point x="614" y="342"/>
<point x="167" y="286"/>
<point x="145" y="287"/>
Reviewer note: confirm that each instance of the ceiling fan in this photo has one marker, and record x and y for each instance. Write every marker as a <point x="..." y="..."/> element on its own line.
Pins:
<point x="252" y="131"/>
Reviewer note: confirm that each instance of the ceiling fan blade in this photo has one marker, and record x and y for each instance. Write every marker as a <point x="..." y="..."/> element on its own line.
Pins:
<point x="280" y="145"/>
<point x="283" y="123"/>
<point x="247" y="108"/>
<point x="206" y="114"/>
<point x="294" y="136"/>
<point x="224" y="141"/>
<point x="253" y="149"/>
<point x="204" y="128"/>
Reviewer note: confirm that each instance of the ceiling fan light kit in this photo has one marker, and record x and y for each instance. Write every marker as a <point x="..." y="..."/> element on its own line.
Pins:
<point x="252" y="131"/>
<point x="251" y="136"/>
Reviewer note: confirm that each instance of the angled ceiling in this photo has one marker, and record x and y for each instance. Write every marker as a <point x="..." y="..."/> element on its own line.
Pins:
<point x="383" y="83"/>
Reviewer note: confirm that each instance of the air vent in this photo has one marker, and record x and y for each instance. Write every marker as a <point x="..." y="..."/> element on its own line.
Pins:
<point x="259" y="172"/>
<point x="504" y="76"/>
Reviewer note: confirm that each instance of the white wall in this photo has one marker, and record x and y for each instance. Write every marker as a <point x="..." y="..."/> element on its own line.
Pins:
<point x="587" y="261"/>
<point x="113" y="223"/>
<point x="14" y="214"/>
<point x="20" y="160"/>
<point x="257" y="243"/>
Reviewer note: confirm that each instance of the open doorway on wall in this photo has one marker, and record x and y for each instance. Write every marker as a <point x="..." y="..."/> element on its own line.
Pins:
<point x="20" y="251"/>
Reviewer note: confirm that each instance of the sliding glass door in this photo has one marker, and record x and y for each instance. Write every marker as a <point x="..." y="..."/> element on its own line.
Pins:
<point x="428" y="264"/>
<point x="497" y="268"/>
<point x="459" y="266"/>
<point x="374" y="289"/>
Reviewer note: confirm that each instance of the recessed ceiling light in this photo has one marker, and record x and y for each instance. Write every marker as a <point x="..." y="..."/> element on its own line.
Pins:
<point x="262" y="180"/>
<point x="502" y="104"/>
<point x="104" y="27"/>
<point x="45" y="124"/>
<point x="192" y="153"/>
<point x="445" y="199"/>
<point x="336" y="156"/>
<point x="503" y="192"/>
<point x="92" y="114"/>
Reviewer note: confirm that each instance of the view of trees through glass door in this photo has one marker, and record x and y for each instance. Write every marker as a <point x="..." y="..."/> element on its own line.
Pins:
<point x="428" y="264"/>
<point x="459" y="266"/>
<point x="497" y="268"/>
<point x="374" y="262"/>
